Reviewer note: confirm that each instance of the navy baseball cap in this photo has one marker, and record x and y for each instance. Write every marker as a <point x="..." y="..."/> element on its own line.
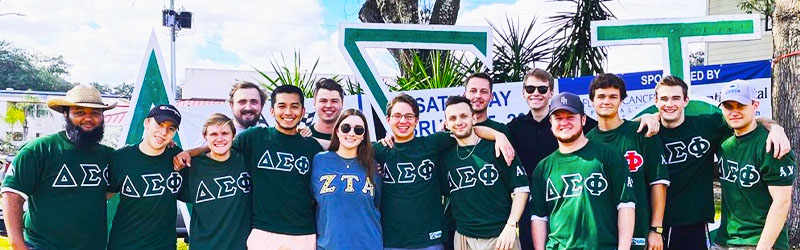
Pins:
<point x="165" y="112"/>
<point x="566" y="101"/>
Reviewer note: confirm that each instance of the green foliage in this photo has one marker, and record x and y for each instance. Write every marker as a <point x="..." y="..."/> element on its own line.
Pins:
<point x="574" y="55"/>
<point x="22" y="70"/>
<point x="516" y="49"/>
<point x="124" y="89"/>
<point x="290" y="75"/>
<point x="765" y="7"/>
<point x="13" y="115"/>
<point x="442" y="70"/>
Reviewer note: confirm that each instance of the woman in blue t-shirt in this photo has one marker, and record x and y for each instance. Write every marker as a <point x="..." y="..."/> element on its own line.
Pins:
<point x="346" y="186"/>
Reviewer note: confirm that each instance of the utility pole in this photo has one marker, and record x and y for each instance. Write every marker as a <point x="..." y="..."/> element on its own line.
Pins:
<point x="174" y="30"/>
<point x="175" y="21"/>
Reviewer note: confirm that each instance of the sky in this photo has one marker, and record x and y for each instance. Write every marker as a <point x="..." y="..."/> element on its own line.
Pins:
<point x="105" y="41"/>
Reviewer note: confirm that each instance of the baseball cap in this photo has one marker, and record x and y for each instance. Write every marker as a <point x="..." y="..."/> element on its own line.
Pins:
<point x="739" y="91"/>
<point x="165" y="112"/>
<point x="566" y="101"/>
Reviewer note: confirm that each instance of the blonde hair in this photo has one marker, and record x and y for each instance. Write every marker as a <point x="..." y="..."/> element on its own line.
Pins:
<point x="218" y="120"/>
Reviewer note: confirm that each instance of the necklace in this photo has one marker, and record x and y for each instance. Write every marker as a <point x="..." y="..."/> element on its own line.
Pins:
<point x="470" y="152"/>
<point x="347" y="164"/>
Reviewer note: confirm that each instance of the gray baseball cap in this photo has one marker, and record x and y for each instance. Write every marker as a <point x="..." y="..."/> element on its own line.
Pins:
<point x="739" y="91"/>
<point x="566" y="101"/>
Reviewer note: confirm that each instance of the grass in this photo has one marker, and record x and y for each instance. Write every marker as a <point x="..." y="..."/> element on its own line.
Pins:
<point x="5" y="246"/>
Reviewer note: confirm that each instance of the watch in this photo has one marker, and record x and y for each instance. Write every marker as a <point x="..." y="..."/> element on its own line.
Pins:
<point x="658" y="230"/>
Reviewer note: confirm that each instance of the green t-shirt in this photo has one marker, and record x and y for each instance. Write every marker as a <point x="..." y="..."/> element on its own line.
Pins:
<point x="579" y="193"/>
<point x="643" y="156"/>
<point x="496" y="126"/>
<point x="411" y="199"/>
<point x="319" y="135"/>
<point x="689" y="155"/>
<point x="746" y="172"/>
<point x="481" y="187"/>
<point x="148" y="189"/>
<point x="65" y="190"/>
<point x="220" y="194"/>
<point x="280" y="167"/>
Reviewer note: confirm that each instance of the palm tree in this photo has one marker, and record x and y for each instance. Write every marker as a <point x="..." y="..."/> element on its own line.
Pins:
<point x="574" y="54"/>
<point x="516" y="49"/>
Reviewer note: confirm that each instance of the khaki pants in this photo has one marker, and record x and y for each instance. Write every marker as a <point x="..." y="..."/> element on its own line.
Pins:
<point x="263" y="240"/>
<point x="461" y="242"/>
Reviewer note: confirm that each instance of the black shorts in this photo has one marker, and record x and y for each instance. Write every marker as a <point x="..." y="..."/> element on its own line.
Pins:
<point x="689" y="237"/>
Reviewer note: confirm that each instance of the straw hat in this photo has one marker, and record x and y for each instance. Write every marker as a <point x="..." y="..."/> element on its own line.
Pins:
<point x="79" y="96"/>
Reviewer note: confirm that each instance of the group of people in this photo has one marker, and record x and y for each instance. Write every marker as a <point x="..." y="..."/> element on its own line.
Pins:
<point x="551" y="179"/>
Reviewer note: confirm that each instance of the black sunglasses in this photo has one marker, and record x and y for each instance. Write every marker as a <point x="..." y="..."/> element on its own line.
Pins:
<point x="542" y="89"/>
<point x="358" y="129"/>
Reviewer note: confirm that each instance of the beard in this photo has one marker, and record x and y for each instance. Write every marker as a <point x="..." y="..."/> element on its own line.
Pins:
<point x="83" y="139"/>
<point x="247" y="123"/>
<point x="570" y="138"/>
<point x="466" y="134"/>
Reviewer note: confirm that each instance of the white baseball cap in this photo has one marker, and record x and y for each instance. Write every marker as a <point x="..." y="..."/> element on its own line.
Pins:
<point x="739" y="91"/>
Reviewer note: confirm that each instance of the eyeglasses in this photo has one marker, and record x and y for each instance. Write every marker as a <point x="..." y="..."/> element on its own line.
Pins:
<point x="542" y="89"/>
<point x="358" y="129"/>
<point x="409" y="116"/>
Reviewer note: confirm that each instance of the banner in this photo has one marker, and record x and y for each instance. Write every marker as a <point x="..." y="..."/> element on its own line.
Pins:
<point x="707" y="82"/>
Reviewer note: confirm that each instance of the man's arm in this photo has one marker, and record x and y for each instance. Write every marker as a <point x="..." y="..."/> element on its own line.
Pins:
<point x="12" y="213"/>
<point x="651" y="121"/>
<point x="325" y="144"/>
<point x="776" y="217"/>
<point x="184" y="159"/>
<point x="508" y="236"/>
<point x="776" y="139"/>
<point x="658" y="199"/>
<point x="626" y="217"/>
<point x="501" y="143"/>
<point x="539" y="234"/>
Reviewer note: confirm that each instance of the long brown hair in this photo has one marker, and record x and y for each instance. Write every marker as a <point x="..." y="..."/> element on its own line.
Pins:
<point x="364" y="152"/>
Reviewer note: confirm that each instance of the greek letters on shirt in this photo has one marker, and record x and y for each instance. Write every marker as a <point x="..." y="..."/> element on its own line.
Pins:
<point x="408" y="173"/>
<point x="677" y="152"/>
<point x="93" y="176"/>
<point x="285" y="162"/>
<point x="575" y="184"/>
<point x="155" y="185"/>
<point x="351" y="183"/>
<point x="467" y="176"/>
<point x="227" y="186"/>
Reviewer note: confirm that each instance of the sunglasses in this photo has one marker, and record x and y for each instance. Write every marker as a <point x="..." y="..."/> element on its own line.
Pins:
<point x="531" y="89"/>
<point x="358" y="129"/>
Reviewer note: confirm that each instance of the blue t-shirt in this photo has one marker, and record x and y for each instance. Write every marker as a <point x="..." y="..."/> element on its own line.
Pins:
<point x="347" y="203"/>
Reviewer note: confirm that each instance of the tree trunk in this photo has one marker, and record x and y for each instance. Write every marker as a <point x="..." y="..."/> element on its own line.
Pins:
<point x="407" y="12"/>
<point x="785" y="97"/>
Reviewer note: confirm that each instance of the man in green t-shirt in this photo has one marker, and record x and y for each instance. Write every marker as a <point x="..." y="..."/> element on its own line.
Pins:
<point x="643" y="156"/>
<point x="61" y="178"/>
<point x="218" y="181"/>
<point x="411" y="199"/>
<point x="481" y="185"/>
<point x="279" y="161"/>
<point x="690" y="142"/>
<point x="756" y="188"/>
<point x="581" y="195"/>
<point x="142" y="174"/>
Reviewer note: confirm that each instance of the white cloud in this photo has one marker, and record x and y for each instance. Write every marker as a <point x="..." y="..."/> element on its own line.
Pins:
<point x="105" y="40"/>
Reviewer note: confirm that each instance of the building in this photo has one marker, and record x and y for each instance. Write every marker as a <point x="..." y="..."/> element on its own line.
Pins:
<point x="740" y="51"/>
